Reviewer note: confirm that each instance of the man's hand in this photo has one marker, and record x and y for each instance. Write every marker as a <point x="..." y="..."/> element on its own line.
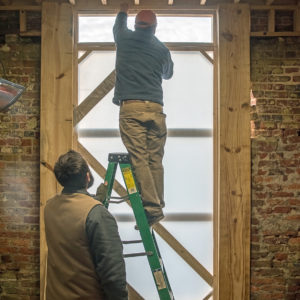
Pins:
<point x="124" y="7"/>
<point x="101" y="192"/>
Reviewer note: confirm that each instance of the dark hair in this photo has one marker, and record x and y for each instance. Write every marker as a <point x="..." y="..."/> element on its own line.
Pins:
<point x="71" y="170"/>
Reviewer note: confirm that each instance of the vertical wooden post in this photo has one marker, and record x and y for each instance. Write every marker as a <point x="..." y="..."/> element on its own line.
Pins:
<point x="271" y="20"/>
<point x="297" y="18"/>
<point x="56" y="103"/>
<point x="234" y="152"/>
<point x="23" y="21"/>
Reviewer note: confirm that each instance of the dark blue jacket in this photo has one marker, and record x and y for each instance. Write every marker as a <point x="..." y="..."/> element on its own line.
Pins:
<point x="142" y="62"/>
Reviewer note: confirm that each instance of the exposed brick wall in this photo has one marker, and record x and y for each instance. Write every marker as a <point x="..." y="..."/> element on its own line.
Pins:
<point x="19" y="166"/>
<point x="275" y="245"/>
<point x="284" y="20"/>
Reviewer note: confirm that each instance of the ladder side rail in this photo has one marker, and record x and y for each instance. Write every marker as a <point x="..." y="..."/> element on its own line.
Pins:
<point x="110" y="178"/>
<point x="155" y="261"/>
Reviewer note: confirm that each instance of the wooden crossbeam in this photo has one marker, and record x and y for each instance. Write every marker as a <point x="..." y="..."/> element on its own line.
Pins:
<point x="208" y="295"/>
<point x="84" y="56"/>
<point x="269" y="2"/>
<point x="168" y="237"/>
<point x="133" y="294"/>
<point x="271" y="20"/>
<point x="97" y="95"/>
<point x="23" y="23"/>
<point x="206" y="56"/>
<point x="183" y="253"/>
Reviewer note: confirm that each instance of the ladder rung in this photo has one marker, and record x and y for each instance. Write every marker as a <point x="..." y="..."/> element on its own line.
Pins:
<point x="124" y="197"/>
<point x="132" y="242"/>
<point x="148" y="253"/>
<point x="117" y="202"/>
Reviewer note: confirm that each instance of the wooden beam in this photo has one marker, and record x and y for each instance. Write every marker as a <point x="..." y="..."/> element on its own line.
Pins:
<point x="234" y="167"/>
<point x="6" y="2"/>
<point x="276" y="7"/>
<point x="21" y="7"/>
<point x="97" y="95"/>
<point x="271" y="20"/>
<point x="269" y="2"/>
<point x="207" y="56"/>
<point x="23" y="23"/>
<point x="171" y="46"/>
<point x="180" y="250"/>
<point x="208" y="296"/>
<point x="274" y="34"/>
<point x="56" y="104"/>
<point x="297" y="18"/>
<point x="84" y="56"/>
<point x="156" y="5"/>
<point x="185" y="255"/>
<point x="133" y="294"/>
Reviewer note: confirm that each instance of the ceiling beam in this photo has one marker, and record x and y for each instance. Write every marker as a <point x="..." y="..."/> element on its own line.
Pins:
<point x="202" y="2"/>
<point x="5" y="2"/>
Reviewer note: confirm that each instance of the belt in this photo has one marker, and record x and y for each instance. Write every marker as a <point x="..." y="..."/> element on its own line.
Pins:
<point x="135" y="101"/>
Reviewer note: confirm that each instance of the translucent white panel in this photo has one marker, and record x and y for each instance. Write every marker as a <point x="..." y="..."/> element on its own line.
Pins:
<point x="104" y="115"/>
<point x="188" y="96"/>
<point x="93" y="70"/>
<point x="195" y="236"/>
<point x="169" y="29"/>
<point x="188" y="175"/>
<point x="185" y="282"/>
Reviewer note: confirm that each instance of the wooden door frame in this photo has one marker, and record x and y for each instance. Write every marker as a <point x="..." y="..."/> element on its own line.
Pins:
<point x="231" y="132"/>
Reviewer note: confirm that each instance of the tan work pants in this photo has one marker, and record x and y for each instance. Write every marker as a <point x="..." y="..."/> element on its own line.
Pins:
<point x="143" y="132"/>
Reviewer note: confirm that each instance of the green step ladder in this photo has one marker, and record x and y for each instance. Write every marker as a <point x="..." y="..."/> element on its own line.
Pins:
<point x="147" y="234"/>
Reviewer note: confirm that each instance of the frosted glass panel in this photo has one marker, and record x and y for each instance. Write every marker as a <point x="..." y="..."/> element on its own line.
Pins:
<point x="93" y="70"/>
<point x="188" y="95"/>
<point x="104" y="115"/>
<point x="169" y="29"/>
<point x="188" y="175"/>
<point x="188" y="161"/>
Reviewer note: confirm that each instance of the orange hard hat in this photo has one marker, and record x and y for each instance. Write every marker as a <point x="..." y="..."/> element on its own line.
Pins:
<point x="145" y="18"/>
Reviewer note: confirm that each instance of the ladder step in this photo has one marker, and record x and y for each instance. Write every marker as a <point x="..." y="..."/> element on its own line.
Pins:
<point x="120" y="199"/>
<point x="148" y="253"/>
<point x="132" y="242"/>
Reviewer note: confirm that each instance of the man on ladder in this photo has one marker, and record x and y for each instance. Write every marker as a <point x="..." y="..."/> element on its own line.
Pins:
<point x="141" y="64"/>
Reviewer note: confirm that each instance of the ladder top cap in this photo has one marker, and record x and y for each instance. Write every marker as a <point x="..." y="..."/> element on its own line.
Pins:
<point x="119" y="157"/>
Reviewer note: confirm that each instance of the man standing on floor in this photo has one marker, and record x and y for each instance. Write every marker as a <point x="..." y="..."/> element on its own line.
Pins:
<point x="85" y="253"/>
<point x="141" y="64"/>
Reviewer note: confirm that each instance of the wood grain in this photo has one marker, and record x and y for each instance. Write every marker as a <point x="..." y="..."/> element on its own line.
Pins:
<point x="56" y="104"/>
<point x="234" y="153"/>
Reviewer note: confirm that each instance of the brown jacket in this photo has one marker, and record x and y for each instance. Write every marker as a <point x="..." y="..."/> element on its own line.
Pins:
<point x="70" y="270"/>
